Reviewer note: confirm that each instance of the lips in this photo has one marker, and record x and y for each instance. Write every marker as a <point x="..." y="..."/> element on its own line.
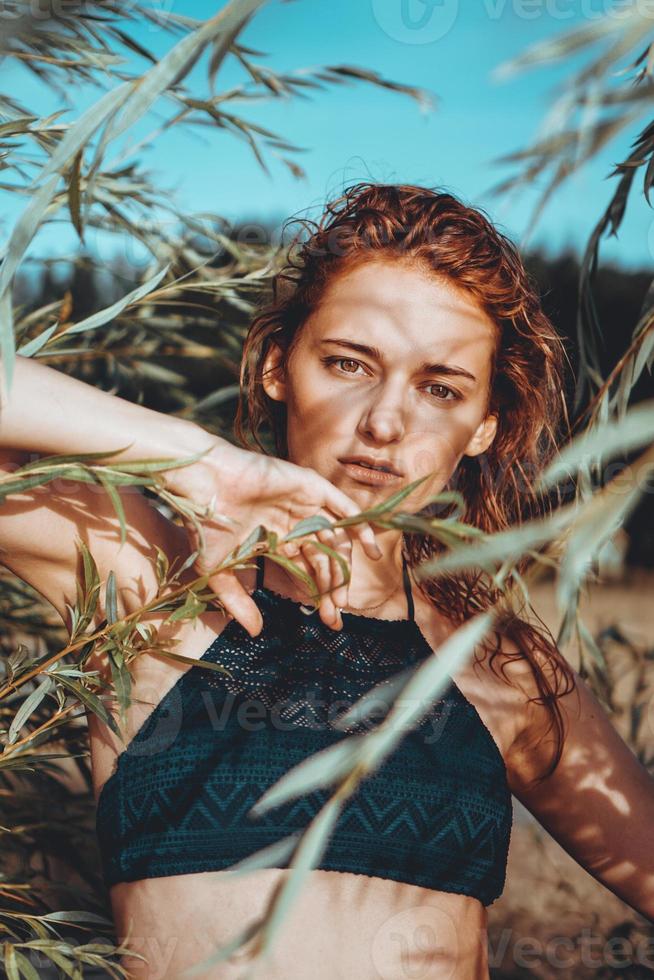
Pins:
<point x="371" y="469"/>
<point x="373" y="463"/>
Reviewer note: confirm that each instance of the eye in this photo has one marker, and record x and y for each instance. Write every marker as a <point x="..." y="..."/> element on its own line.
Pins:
<point x="454" y="394"/>
<point x="341" y="360"/>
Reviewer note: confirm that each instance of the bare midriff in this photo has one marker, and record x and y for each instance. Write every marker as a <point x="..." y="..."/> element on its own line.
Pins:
<point x="341" y="926"/>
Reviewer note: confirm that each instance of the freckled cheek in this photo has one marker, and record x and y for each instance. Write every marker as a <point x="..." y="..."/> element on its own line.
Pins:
<point x="314" y="417"/>
<point x="436" y="448"/>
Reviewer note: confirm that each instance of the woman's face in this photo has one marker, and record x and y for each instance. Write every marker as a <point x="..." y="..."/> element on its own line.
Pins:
<point x="393" y="369"/>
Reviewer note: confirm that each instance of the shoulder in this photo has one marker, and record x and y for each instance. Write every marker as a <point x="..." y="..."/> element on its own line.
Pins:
<point x="548" y="694"/>
<point x="526" y="692"/>
<point x="501" y="680"/>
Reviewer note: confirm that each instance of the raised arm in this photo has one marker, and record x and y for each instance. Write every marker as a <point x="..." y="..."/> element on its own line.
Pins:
<point x="47" y="412"/>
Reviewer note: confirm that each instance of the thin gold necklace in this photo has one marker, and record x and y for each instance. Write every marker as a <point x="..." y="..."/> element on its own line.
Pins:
<point x="368" y="608"/>
<point x="309" y="610"/>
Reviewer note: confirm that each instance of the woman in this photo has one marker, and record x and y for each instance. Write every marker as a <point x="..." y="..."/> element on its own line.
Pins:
<point x="404" y="340"/>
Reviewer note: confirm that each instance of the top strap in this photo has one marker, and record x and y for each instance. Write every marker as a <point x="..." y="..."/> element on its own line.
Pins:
<point x="407" y="590"/>
<point x="405" y="578"/>
<point x="259" y="562"/>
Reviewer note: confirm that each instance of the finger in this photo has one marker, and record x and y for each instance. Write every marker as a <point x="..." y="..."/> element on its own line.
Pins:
<point x="342" y="545"/>
<point x="320" y="565"/>
<point x="289" y="549"/>
<point x="237" y="602"/>
<point x="340" y="504"/>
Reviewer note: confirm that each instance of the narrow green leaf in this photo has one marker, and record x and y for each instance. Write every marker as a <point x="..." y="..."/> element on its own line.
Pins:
<point x="122" y="681"/>
<point x="37" y="343"/>
<point x="162" y="565"/>
<point x="111" y="602"/>
<point x="177" y="62"/>
<point x="90" y="701"/>
<point x="11" y="967"/>
<point x="111" y="312"/>
<point x="194" y="662"/>
<point x="23" y="231"/>
<point x="14" y="485"/>
<point x="298" y="572"/>
<point x="423" y="687"/>
<point x="320" y="769"/>
<point x="396" y="498"/>
<point x="192" y="607"/>
<point x="7" y="338"/>
<point x="307" y="526"/>
<point x="72" y="458"/>
<point x="77" y="915"/>
<point x="27" y="708"/>
<point x="557" y="47"/>
<point x="591" y="645"/>
<point x="153" y="466"/>
<point x="61" y="961"/>
<point x="81" y="131"/>
<point x="25" y="967"/>
<point x="273" y="856"/>
<point x="633" y="431"/>
<point x="91" y="574"/>
<point x="383" y="692"/>
<point x="500" y="546"/>
<point x="117" y="503"/>
<point x="602" y="515"/>
<point x="382" y="508"/>
<point x="74" y="195"/>
<point x="255" y="537"/>
<point x="326" y="549"/>
<point x="307" y="856"/>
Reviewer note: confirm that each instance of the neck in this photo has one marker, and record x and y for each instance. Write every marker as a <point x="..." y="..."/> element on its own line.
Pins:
<point x="370" y="577"/>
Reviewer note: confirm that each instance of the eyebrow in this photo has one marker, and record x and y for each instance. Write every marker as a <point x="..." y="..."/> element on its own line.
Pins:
<point x="438" y="368"/>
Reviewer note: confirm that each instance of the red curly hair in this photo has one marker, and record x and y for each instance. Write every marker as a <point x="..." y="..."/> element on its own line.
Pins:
<point x="459" y="244"/>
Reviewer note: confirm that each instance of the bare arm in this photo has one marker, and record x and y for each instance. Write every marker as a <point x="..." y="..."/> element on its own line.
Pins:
<point x="47" y="412"/>
<point x="39" y="529"/>
<point x="599" y="801"/>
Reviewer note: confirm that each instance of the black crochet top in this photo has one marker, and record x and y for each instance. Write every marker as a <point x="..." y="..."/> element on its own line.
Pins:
<point x="436" y="813"/>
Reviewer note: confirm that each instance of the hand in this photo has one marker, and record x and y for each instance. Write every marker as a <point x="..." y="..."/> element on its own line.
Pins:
<point x="252" y="489"/>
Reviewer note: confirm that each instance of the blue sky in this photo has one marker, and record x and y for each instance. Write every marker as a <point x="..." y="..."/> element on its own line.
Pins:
<point x="356" y="131"/>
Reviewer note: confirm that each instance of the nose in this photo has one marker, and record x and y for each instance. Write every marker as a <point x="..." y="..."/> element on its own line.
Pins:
<point x="382" y="419"/>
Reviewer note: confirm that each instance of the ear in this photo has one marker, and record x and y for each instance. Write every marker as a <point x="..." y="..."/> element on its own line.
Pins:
<point x="273" y="376"/>
<point x="483" y="436"/>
